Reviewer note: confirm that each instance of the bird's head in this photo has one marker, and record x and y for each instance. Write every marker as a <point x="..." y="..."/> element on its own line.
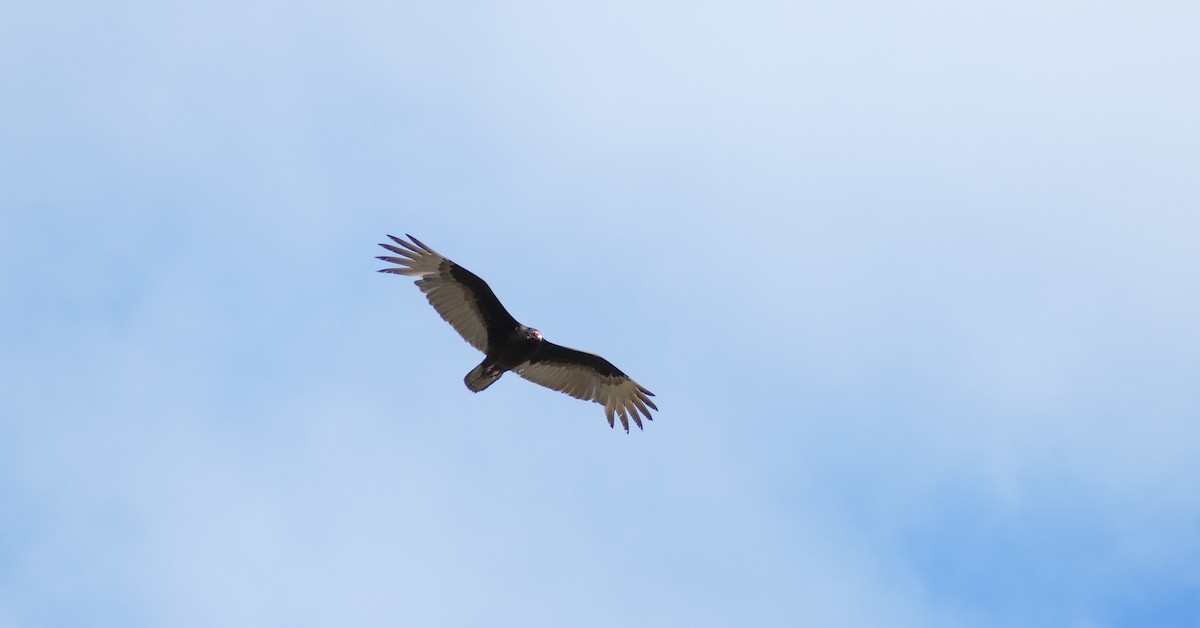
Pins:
<point x="533" y="334"/>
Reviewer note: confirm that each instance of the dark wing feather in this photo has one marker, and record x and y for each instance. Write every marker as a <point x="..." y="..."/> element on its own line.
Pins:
<point x="590" y="377"/>
<point x="459" y="296"/>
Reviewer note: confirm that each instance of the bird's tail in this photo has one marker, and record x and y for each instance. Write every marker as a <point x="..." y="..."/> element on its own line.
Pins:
<point x="482" y="376"/>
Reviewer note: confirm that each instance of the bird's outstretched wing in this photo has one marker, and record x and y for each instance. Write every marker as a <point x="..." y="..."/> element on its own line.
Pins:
<point x="459" y="296"/>
<point x="590" y="377"/>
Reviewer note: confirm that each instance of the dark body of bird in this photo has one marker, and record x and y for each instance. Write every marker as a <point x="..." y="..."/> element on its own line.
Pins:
<point x="472" y="309"/>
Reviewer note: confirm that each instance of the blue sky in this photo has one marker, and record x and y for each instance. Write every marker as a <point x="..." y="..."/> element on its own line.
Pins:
<point x="916" y="284"/>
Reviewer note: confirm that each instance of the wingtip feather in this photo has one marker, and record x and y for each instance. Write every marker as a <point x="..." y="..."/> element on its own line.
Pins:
<point x="420" y="244"/>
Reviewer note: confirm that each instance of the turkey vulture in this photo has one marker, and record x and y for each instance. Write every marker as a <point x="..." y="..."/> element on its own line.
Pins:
<point x="472" y="309"/>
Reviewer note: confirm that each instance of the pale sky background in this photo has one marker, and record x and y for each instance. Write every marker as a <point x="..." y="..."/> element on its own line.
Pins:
<point x="917" y="285"/>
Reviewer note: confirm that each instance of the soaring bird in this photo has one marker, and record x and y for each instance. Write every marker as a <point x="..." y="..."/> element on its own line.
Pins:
<point x="472" y="309"/>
